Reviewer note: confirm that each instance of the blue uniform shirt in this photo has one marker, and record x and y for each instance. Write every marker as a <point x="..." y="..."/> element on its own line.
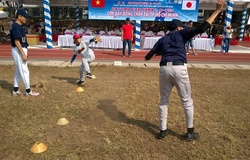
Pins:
<point x="172" y="46"/>
<point x="17" y="32"/>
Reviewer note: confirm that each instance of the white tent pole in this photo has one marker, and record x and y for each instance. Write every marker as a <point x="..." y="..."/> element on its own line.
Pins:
<point x="138" y="35"/>
<point x="48" y="27"/>
<point x="243" y="22"/>
<point x="77" y="15"/>
<point x="228" y="19"/>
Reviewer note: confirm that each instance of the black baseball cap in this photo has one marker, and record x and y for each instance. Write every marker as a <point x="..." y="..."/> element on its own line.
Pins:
<point x="22" y="12"/>
<point x="127" y="19"/>
<point x="174" y="24"/>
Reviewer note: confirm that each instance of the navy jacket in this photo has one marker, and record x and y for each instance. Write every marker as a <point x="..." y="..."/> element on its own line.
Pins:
<point x="172" y="46"/>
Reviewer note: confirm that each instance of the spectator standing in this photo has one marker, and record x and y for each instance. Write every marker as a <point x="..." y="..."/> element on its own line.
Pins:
<point x="127" y="36"/>
<point x="190" y="43"/>
<point x="228" y="38"/>
<point x="1" y="34"/>
<point x="41" y="24"/>
<point x="212" y="31"/>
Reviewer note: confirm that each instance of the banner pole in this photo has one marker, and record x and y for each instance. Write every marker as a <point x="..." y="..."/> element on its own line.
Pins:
<point x="48" y="28"/>
<point x="138" y="35"/>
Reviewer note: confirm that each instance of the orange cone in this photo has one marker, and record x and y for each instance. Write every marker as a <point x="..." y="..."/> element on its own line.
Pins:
<point x="62" y="121"/>
<point x="38" y="147"/>
<point x="79" y="89"/>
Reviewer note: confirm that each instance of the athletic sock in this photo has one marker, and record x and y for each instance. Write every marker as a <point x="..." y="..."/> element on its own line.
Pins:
<point x="190" y="130"/>
<point x="28" y="90"/>
<point x="15" y="89"/>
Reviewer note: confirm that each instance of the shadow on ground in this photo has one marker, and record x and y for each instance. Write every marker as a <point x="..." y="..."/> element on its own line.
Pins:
<point x="67" y="79"/>
<point x="110" y="110"/>
<point x="6" y="85"/>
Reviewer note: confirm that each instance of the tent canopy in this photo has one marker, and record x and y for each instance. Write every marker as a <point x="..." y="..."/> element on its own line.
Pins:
<point x="3" y="14"/>
<point x="204" y="4"/>
<point x="239" y="5"/>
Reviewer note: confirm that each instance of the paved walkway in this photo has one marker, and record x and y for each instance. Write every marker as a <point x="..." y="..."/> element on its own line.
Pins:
<point x="60" y="63"/>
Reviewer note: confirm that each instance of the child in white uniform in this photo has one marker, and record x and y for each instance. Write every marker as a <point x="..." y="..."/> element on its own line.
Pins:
<point x="82" y="47"/>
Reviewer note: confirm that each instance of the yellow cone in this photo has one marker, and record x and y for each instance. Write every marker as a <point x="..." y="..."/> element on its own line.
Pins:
<point x="79" y="89"/>
<point x="62" y="121"/>
<point x="38" y="147"/>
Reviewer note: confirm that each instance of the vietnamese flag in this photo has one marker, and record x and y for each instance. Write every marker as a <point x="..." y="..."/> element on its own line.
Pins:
<point x="97" y="3"/>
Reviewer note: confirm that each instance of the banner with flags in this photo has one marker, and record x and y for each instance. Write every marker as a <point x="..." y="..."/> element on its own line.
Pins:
<point x="153" y="10"/>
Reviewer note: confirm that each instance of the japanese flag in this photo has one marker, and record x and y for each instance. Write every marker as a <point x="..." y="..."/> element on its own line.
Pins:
<point x="189" y="5"/>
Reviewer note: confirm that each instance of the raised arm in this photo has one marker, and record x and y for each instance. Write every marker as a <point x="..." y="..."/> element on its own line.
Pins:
<point x="219" y="7"/>
<point x="187" y="34"/>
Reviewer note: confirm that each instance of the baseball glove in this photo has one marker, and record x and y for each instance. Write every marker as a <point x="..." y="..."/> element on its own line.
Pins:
<point x="38" y="85"/>
<point x="97" y="39"/>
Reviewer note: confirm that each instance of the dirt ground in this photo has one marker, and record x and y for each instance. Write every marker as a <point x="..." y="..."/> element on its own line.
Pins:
<point x="116" y="117"/>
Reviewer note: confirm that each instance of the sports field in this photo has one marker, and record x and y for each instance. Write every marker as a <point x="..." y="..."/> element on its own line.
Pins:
<point x="116" y="117"/>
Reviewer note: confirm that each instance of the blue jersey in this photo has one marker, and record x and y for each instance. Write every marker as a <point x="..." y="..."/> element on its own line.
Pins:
<point x="17" y="32"/>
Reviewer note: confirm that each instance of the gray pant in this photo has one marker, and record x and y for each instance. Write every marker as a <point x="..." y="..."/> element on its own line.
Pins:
<point x="85" y="64"/>
<point x="190" y="43"/>
<point x="170" y="76"/>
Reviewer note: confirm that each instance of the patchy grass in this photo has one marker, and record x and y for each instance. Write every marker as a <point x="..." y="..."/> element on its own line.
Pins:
<point x="116" y="117"/>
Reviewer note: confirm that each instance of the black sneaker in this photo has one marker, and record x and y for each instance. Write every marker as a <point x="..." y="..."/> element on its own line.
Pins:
<point x="192" y="136"/>
<point x="162" y="134"/>
<point x="79" y="82"/>
<point x="89" y="75"/>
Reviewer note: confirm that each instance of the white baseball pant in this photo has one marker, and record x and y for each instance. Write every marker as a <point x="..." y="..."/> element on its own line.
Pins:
<point x="85" y="64"/>
<point x="170" y="76"/>
<point x="22" y="71"/>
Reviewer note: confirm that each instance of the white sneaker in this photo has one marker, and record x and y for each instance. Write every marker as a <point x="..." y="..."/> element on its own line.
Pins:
<point x="32" y="93"/>
<point x="17" y="93"/>
<point x="89" y="75"/>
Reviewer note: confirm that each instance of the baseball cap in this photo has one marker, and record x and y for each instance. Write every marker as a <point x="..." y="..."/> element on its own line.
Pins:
<point x="127" y="19"/>
<point x="22" y="12"/>
<point x="77" y="36"/>
<point x="175" y="23"/>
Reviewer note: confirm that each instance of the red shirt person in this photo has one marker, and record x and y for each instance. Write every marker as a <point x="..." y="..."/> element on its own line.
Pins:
<point x="127" y="36"/>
